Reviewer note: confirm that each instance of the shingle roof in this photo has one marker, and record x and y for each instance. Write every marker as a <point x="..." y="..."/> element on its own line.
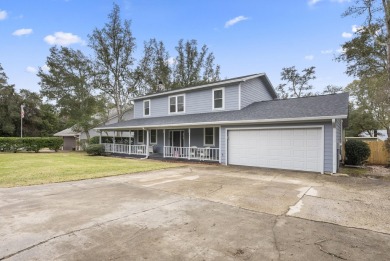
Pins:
<point x="325" y="106"/>
<point x="66" y="133"/>
<point x="221" y="83"/>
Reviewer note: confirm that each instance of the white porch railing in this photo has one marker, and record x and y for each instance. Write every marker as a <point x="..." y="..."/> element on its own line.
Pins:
<point x="138" y="149"/>
<point x="125" y="149"/>
<point x="195" y="153"/>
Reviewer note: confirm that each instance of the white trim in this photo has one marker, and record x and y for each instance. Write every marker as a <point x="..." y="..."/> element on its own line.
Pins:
<point x="151" y="136"/>
<point x="322" y="156"/>
<point x="334" y="149"/>
<point x="176" y="107"/>
<point x="283" y="120"/>
<point x="223" y="98"/>
<point x="225" y="83"/>
<point x="239" y="96"/>
<point x="150" y="108"/>
<point x="204" y="136"/>
<point x="219" y="145"/>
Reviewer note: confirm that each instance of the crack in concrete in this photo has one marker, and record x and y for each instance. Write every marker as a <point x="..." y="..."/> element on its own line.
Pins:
<point x="275" y="239"/>
<point x="318" y="243"/>
<point x="86" y="228"/>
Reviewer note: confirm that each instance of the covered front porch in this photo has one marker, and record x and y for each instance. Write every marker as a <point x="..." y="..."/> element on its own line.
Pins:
<point x="198" y="143"/>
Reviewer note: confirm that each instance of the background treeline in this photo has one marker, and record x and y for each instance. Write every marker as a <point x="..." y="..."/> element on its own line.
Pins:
<point x="79" y="90"/>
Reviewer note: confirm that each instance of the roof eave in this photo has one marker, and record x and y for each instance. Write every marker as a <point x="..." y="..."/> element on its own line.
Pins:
<point x="217" y="123"/>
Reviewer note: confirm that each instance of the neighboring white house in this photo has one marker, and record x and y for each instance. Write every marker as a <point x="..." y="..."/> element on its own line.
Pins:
<point x="73" y="140"/>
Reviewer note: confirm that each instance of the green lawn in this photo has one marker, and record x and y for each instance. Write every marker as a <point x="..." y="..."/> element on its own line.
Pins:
<point x="22" y="169"/>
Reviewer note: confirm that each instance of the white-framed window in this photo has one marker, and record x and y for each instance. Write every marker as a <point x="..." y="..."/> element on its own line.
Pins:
<point x="219" y="99"/>
<point x="208" y="137"/>
<point x="176" y="103"/>
<point x="147" y="108"/>
<point x="153" y="136"/>
<point x="140" y="137"/>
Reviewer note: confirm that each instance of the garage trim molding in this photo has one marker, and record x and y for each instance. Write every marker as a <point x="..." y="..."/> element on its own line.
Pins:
<point x="279" y="127"/>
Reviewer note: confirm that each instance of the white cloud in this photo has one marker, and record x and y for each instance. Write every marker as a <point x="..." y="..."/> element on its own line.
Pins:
<point x="329" y="51"/>
<point x="235" y="20"/>
<point x="340" y="50"/>
<point x="3" y="14"/>
<point x="346" y="35"/>
<point x="45" y="68"/>
<point x="171" y="60"/>
<point x="23" y="31"/>
<point x="309" y="57"/>
<point x="31" y="69"/>
<point x="313" y="2"/>
<point x="356" y="28"/>
<point x="62" y="38"/>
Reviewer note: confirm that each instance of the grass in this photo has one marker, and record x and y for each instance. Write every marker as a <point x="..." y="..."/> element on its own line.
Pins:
<point x="355" y="172"/>
<point x="23" y="169"/>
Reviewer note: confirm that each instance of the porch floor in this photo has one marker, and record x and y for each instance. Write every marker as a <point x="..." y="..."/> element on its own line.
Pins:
<point x="160" y="157"/>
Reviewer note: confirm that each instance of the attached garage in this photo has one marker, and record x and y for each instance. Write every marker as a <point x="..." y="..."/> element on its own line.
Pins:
<point x="283" y="148"/>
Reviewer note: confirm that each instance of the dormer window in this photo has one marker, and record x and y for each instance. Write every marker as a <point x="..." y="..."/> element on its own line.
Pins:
<point x="176" y="104"/>
<point x="147" y="108"/>
<point x="218" y="99"/>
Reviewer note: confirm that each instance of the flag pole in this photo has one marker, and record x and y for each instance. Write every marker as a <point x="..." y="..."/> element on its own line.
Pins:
<point x="21" y="120"/>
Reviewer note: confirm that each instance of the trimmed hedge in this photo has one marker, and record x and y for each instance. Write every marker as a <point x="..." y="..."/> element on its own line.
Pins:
<point x="30" y="143"/>
<point x="95" y="149"/>
<point x="356" y="152"/>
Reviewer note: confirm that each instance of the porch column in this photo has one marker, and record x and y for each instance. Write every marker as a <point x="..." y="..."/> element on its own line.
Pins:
<point x="129" y="142"/>
<point x="147" y="142"/>
<point x="100" y="137"/>
<point x="164" y="143"/>
<point x="113" y="143"/>
<point x="189" y="143"/>
<point x="219" y="145"/>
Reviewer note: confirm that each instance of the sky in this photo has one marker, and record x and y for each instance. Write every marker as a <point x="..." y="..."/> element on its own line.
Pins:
<point x="246" y="36"/>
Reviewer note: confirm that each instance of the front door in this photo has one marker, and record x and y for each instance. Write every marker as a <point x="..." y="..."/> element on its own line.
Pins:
<point x="177" y="138"/>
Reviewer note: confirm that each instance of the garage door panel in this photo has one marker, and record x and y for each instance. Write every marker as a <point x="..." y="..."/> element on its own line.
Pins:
<point x="297" y="149"/>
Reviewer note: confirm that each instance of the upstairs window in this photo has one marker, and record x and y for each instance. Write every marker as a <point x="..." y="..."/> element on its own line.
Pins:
<point x="147" y="108"/>
<point x="218" y="99"/>
<point x="176" y="104"/>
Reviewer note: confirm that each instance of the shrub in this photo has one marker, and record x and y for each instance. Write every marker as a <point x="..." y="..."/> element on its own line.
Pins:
<point x="94" y="140"/>
<point x="30" y="143"/>
<point x="356" y="152"/>
<point x="95" y="149"/>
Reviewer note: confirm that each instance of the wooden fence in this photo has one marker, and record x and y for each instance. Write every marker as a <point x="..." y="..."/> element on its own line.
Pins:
<point x="379" y="154"/>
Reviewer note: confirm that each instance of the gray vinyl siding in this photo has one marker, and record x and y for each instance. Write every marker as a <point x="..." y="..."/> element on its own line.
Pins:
<point x="328" y="139"/>
<point x="253" y="91"/>
<point x="199" y="101"/>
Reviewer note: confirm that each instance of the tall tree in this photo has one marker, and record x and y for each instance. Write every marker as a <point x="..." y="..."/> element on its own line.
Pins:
<point x="69" y="82"/>
<point x="10" y="103"/>
<point x="154" y="68"/>
<point x="296" y="84"/>
<point x="190" y="66"/>
<point x="360" y="121"/>
<point x="193" y="66"/>
<point x="114" y="46"/>
<point x="374" y="33"/>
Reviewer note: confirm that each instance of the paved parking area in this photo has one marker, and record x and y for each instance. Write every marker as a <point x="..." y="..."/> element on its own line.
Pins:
<point x="199" y="212"/>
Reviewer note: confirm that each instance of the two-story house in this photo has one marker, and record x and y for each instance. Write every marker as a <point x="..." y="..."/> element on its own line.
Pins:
<point x="238" y="121"/>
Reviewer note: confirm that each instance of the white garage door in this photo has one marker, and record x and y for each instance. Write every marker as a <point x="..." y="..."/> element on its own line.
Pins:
<point x="295" y="149"/>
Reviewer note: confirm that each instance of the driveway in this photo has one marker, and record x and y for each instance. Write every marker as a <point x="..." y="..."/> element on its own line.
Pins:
<point x="199" y="212"/>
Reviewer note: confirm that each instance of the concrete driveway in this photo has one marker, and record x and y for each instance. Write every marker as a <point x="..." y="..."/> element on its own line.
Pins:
<point x="199" y="212"/>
